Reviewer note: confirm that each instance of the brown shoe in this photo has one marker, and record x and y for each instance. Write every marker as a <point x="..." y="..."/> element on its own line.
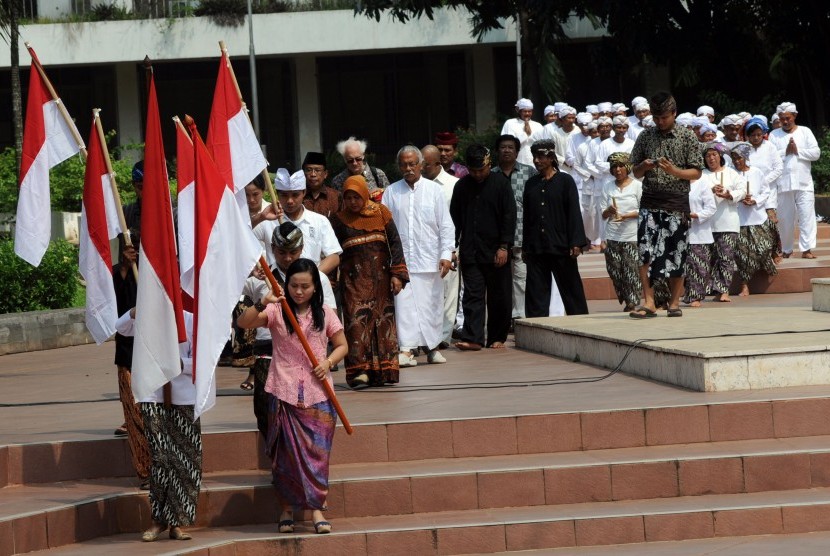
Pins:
<point x="807" y="255"/>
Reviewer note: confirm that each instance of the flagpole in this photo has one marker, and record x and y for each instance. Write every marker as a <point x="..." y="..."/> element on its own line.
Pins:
<point x="75" y="134"/>
<point x="275" y="287"/>
<point x="116" y="197"/>
<point x="180" y="125"/>
<point x="268" y="183"/>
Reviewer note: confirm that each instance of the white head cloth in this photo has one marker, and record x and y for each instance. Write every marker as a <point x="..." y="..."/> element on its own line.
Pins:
<point x="549" y="110"/>
<point x="700" y="121"/>
<point x="786" y="107"/>
<point x="744" y="115"/>
<point x="620" y="120"/>
<point x="708" y="127"/>
<point x="774" y="118"/>
<point x="638" y="100"/>
<point x="566" y="110"/>
<point x="731" y="119"/>
<point x="619" y="106"/>
<point x="282" y="180"/>
<point x="648" y="121"/>
<point x="592" y="109"/>
<point x="705" y="111"/>
<point x="641" y="106"/>
<point x="584" y="118"/>
<point x="524" y="104"/>
<point x="685" y="119"/>
<point x="605" y="107"/>
<point x="604" y="120"/>
<point x="297" y="182"/>
<point x="592" y="125"/>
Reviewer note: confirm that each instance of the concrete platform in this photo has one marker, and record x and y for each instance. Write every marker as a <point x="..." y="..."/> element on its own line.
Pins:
<point x="711" y="349"/>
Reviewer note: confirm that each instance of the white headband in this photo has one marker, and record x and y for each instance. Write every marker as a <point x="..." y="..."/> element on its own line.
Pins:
<point x="524" y="104"/>
<point x="786" y="107"/>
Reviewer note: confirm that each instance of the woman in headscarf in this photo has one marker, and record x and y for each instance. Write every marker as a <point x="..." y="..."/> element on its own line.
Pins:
<point x="764" y="157"/>
<point x="729" y="190"/>
<point x="621" y="198"/>
<point x="372" y="270"/>
<point x="755" y="243"/>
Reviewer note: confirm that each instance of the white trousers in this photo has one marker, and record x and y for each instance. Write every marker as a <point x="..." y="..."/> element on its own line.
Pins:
<point x="797" y="207"/>
<point x="592" y="218"/>
<point x="519" y="271"/>
<point x="418" y="311"/>
<point x="451" y="283"/>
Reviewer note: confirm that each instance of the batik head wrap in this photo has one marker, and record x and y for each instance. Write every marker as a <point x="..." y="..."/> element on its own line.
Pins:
<point x="742" y="149"/>
<point x="287" y="236"/>
<point x="373" y="217"/>
<point x="620" y="159"/>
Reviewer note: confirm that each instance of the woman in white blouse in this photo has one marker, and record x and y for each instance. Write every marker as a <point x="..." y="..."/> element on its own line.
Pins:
<point x="698" y="265"/>
<point x="756" y="241"/>
<point x="729" y="190"/>
<point x="621" y="198"/>
<point x="764" y="157"/>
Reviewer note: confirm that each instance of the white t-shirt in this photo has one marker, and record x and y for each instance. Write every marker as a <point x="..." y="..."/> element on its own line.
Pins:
<point x="627" y="200"/>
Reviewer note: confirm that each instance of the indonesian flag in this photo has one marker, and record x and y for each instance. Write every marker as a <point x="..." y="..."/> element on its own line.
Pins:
<point x="186" y="175"/>
<point x="226" y="251"/>
<point x="231" y="138"/>
<point x="48" y="140"/>
<point x="99" y="224"/>
<point x="159" y="326"/>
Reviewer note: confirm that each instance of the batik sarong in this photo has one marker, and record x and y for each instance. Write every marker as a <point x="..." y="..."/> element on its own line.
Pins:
<point x="698" y="275"/>
<point x="622" y="264"/>
<point x="755" y="251"/>
<point x="661" y="238"/>
<point x="723" y="260"/>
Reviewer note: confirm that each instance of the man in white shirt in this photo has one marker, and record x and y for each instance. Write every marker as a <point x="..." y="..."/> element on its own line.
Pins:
<point x="432" y="170"/>
<point x="592" y="191"/>
<point x="572" y="159"/>
<point x="420" y="211"/>
<point x="319" y="242"/>
<point x="798" y="149"/>
<point x="619" y="142"/>
<point x="561" y="136"/>
<point x="522" y="127"/>
<point x="635" y="122"/>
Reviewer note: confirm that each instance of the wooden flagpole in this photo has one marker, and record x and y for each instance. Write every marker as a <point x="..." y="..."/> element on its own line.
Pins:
<point x="265" y="173"/>
<point x="118" y="208"/>
<point x="278" y="291"/>
<point x="77" y="136"/>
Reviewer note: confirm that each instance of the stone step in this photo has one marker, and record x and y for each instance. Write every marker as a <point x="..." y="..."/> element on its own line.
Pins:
<point x="70" y="512"/>
<point x="507" y="529"/>
<point x="455" y="438"/>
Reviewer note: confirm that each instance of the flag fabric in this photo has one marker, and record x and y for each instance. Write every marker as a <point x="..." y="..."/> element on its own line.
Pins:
<point x="231" y="139"/>
<point x="185" y="201"/>
<point x="48" y="140"/>
<point x="159" y="323"/>
<point x="226" y="251"/>
<point x="99" y="224"/>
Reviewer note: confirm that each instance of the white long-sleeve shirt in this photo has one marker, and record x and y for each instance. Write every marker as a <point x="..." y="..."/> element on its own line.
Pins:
<point x="516" y="128"/>
<point x="183" y="391"/>
<point x="319" y="240"/>
<point x="754" y="215"/>
<point x="581" y="165"/>
<point x="796" y="175"/>
<point x="767" y="160"/>
<point x="726" y="217"/>
<point x="701" y="202"/>
<point x="423" y="220"/>
<point x="599" y="165"/>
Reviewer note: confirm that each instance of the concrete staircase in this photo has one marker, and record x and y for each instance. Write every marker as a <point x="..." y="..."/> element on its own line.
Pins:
<point x="459" y="486"/>
<point x="794" y="274"/>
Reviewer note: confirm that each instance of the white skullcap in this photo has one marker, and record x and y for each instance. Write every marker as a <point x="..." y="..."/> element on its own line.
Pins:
<point x="524" y="104"/>
<point x="566" y="110"/>
<point x="705" y="110"/>
<point x="685" y="119"/>
<point x="549" y="109"/>
<point x="638" y="100"/>
<point x="762" y="118"/>
<point x="648" y="121"/>
<point x="641" y="106"/>
<point x="744" y="115"/>
<point x="620" y="120"/>
<point x="557" y="106"/>
<point x="786" y="107"/>
<point x="731" y="119"/>
<point x="592" y="108"/>
<point x="616" y="107"/>
<point x="282" y="180"/>
<point x="604" y="120"/>
<point x="774" y="118"/>
<point x="584" y="118"/>
<point x="708" y="127"/>
<point x="700" y="121"/>
<point x="296" y="182"/>
<point x="605" y="107"/>
<point x="592" y="125"/>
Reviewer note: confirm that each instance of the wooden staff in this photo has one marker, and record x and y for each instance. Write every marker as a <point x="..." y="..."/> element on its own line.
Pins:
<point x="265" y="173"/>
<point x="278" y="291"/>
<point x="117" y="198"/>
<point x="77" y="136"/>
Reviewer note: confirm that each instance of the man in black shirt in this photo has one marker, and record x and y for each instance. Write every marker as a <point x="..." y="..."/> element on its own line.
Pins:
<point x="553" y="236"/>
<point x="483" y="210"/>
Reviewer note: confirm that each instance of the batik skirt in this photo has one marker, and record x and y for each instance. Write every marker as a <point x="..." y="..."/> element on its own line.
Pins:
<point x="698" y="272"/>
<point x="622" y="264"/>
<point x="662" y="241"/>
<point x="175" y="441"/>
<point x="139" y="449"/>
<point x="755" y="251"/>
<point x="299" y="445"/>
<point x="724" y="251"/>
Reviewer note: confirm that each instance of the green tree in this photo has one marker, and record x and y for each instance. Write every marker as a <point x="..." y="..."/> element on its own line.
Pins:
<point x="9" y="29"/>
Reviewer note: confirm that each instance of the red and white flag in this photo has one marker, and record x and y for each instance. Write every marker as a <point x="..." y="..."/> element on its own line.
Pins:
<point x="48" y="140"/>
<point x="226" y="251"/>
<point x="159" y="324"/>
<point x="99" y="224"/>
<point x="231" y="138"/>
<point x="185" y="203"/>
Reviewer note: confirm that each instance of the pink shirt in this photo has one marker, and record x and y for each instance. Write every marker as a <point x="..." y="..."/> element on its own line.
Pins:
<point x="290" y="378"/>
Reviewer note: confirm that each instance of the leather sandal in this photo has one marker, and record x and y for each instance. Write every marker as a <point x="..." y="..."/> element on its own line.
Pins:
<point x="177" y="534"/>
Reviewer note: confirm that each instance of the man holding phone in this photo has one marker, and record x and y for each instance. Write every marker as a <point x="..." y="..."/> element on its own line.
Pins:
<point x="667" y="158"/>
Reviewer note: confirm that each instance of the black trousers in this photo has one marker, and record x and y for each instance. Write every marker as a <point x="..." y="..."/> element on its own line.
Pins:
<point x="537" y="291"/>
<point x="488" y="295"/>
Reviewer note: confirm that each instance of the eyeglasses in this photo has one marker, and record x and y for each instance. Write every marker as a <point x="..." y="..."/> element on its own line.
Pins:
<point x="355" y="159"/>
<point x="314" y="171"/>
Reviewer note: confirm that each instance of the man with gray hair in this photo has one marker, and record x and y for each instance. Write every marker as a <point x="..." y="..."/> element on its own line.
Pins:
<point x="353" y="152"/>
<point x="798" y="149"/>
<point x="419" y="209"/>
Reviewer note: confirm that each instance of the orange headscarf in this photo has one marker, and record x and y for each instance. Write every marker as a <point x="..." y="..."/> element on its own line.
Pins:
<point x="373" y="217"/>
